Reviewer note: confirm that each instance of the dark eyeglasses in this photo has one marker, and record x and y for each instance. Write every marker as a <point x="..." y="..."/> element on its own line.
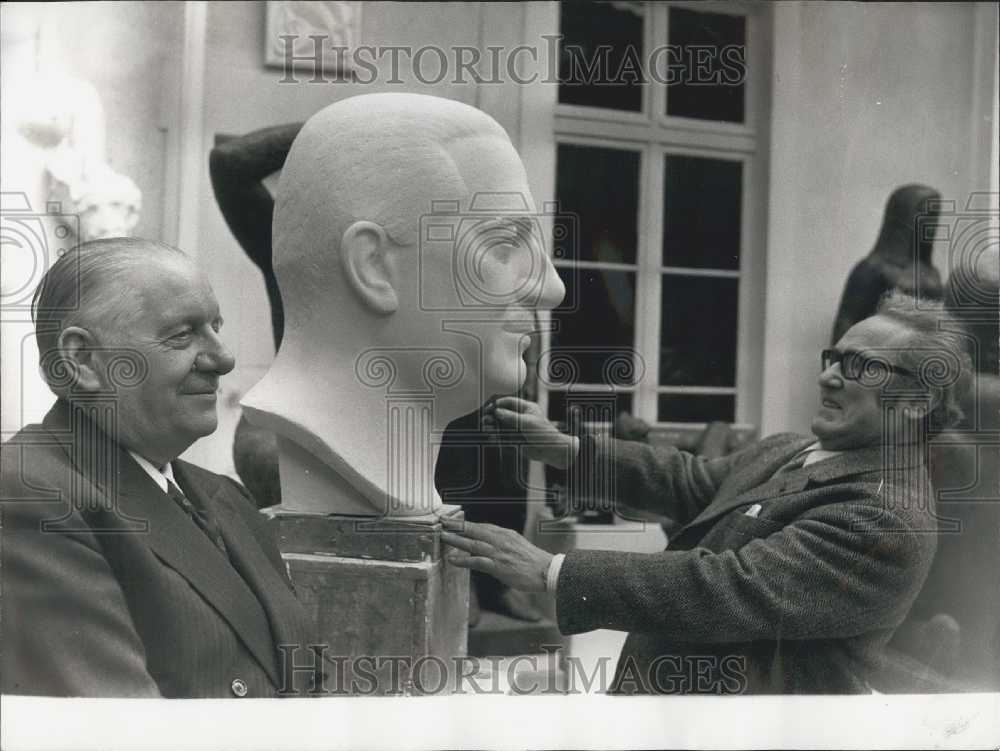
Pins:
<point x="855" y="366"/>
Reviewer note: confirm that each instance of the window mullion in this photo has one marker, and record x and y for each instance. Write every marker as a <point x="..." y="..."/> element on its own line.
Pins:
<point x="749" y="308"/>
<point x="648" y="283"/>
<point x="653" y="93"/>
<point x="660" y="16"/>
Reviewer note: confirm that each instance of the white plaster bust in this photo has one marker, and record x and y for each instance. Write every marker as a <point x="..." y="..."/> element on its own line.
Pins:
<point x="410" y="262"/>
<point x="107" y="202"/>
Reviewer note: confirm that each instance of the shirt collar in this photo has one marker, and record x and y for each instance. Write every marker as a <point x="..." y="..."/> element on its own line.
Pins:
<point x="816" y="454"/>
<point x="160" y="476"/>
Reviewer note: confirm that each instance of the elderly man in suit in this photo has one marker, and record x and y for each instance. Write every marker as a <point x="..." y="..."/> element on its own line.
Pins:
<point x="126" y="571"/>
<point x="796" y="557"/>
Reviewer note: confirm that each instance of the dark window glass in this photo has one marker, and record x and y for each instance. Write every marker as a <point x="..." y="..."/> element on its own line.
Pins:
<point x="698" y="331"/>
<point x="601" y="55"/>
<point x="595" y="406"/>
<point x="597" y="191"/>
<point x="595" y="327"/>
<point x="708" y="67"/>
<point x="701" y="212"/>
<point x="696" y="408"/>
<point x="601" y="407"/>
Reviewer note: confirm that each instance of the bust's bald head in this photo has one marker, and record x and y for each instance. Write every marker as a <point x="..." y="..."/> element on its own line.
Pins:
<point x="378" y="158"/>
<point x="378" y="224"/>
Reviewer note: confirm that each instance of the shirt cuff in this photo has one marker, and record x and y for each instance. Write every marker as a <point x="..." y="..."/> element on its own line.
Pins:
<point x="552" y="576"/>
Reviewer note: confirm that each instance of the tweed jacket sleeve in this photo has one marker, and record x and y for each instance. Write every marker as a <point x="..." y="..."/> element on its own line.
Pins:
<point x="658" y="480"/>
<point x="844" y="563"/>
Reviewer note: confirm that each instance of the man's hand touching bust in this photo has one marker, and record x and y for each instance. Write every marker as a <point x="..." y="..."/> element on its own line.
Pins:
<point x="542" y="440"/>
<point x="503" y="553"/>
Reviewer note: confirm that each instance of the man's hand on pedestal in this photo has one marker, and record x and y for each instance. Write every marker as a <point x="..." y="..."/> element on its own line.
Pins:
<point x="501" y="553"/>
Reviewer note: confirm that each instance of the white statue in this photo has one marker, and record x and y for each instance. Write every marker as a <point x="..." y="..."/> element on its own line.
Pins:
<point x="106" y="202"/>
<point x="410" y="262"/>
<point x="46" y="110"/>
<point x="55" y="135"/>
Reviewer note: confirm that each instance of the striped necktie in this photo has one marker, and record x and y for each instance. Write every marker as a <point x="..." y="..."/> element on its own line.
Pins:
<point x="200" y="516"/>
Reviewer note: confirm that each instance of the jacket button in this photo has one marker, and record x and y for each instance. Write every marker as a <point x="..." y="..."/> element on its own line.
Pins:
<point x="239" y="687"/>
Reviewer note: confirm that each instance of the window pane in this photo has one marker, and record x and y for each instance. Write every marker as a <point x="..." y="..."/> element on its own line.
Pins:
<point x="601" y="53"/>
<point x="710" y="54"/>
<point x="601" y="407"/>
<point x="701" y="212"/>
<point x="698" y="331"/>
<point x="595" y="406"/>
<point x="595" y="327"/>
<point x="696" y="408"/>
<point x="597" y="191"/>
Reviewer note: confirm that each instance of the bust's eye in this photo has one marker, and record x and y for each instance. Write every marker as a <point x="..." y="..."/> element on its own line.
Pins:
<point x="502" y="250"/>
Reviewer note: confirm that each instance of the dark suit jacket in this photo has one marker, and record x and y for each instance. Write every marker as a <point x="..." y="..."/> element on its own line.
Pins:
<point x="801" y="598"/>
<point x="110" y="589"/>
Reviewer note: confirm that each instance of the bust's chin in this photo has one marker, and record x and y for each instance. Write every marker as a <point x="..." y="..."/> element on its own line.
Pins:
<point x="507" y="380"/>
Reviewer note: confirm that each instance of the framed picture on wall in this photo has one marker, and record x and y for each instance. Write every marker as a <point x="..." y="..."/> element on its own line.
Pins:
<point x="314" y="36"/>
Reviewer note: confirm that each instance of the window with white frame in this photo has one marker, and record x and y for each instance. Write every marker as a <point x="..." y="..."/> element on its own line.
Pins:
<point x="659" y="155"/>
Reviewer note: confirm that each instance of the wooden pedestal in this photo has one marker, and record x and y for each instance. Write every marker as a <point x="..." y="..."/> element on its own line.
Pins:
<point x="392" y="610"/>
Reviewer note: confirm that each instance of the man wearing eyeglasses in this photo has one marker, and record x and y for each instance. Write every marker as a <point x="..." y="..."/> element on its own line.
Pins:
<point x="797" y="557"/>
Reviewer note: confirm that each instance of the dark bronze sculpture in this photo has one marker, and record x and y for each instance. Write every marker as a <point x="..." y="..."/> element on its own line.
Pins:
<point x="238" y="167"/>
<point x="901" y="258"/>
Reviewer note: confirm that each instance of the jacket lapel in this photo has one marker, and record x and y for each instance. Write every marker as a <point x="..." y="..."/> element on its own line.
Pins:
<point x="287" y="620"/>
<point x="769" y="487"/>
<point x="169" y="532"/>
<point x="179" y="543"/>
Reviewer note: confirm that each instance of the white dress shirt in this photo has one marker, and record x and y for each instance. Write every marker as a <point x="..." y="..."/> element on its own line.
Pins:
<point x="160" y="476"/>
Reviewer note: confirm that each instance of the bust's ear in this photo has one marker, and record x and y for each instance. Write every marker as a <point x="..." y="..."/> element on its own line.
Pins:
<point x="77" y="351"/>
<point x="367" y="267"/>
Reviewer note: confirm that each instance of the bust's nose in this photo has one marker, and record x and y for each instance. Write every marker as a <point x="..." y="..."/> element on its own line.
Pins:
<point x="553" y="290"/>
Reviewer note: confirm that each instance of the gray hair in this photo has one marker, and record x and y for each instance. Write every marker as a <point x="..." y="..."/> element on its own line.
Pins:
<point x="79" y="290"/>
<point x="938" y="352"/>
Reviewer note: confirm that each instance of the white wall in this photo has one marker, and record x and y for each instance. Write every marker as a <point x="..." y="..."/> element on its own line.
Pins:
<point x="123" y="52"/>
<point x="865" y="97"/>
